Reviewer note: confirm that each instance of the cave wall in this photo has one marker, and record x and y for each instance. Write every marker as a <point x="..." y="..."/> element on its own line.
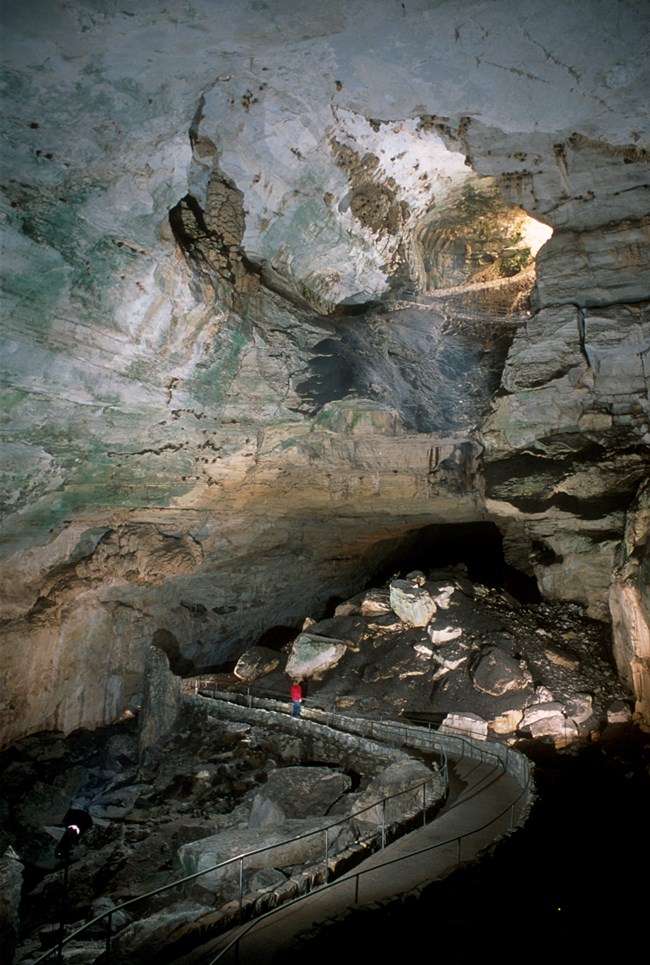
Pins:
<point x="222" y="384"/>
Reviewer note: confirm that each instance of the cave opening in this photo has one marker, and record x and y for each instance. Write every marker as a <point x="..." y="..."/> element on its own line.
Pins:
<point x="476" y="236"/>
<point x="476" y="546"/>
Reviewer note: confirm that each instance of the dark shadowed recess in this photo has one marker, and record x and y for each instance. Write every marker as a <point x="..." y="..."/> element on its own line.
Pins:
<point x="436" y="379"/>
<point x="477" y="546"/>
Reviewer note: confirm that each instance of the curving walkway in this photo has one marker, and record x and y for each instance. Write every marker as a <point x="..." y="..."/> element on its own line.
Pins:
<point x="490" y="794"/>
<point x="480" y="799"/>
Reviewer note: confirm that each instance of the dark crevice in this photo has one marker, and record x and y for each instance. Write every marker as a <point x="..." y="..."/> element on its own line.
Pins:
<point x="478" y="547"/>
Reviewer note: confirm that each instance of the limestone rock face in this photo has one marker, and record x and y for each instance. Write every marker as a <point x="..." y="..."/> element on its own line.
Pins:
<point x="229" y="390"/>
<point x="630" y="605"/>
<point x="566" y="489"/>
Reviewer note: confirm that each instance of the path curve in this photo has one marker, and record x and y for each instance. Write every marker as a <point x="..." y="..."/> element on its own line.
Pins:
<point x="480" y="798"/>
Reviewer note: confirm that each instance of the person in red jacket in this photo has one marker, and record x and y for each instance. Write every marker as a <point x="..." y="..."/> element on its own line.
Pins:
<point x="296" y="696"/>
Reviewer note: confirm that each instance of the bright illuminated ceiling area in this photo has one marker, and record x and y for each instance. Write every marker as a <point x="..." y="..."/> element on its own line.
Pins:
<point x="474" y="237"/>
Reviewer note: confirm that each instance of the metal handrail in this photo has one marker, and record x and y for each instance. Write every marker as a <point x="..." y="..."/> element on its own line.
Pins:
<point x="357" y="875"/>
<point x="351" y="725"/>
<point x="240" y="858"/>
<point x="402" y="733"/>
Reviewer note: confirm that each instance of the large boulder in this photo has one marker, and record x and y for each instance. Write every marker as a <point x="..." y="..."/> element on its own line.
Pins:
<point x="412" y="603"/>
<point x="312" y="655"/>
<point x="297" y="792"/>
<point x="256" y="662"/>
<point x="296" y="842"/>
<point x="497" y="673"/>
<point x="406" y="784"/>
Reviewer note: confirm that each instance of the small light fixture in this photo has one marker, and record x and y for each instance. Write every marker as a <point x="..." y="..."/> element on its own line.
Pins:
<point x="76" y="822"/>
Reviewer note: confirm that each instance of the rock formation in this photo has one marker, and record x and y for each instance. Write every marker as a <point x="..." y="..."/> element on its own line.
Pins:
<point x="264" y="320"/>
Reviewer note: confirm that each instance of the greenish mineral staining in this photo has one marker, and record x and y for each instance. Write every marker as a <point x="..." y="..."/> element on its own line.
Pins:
<point x="215" y="376"/>
<point x="354" y="417"/>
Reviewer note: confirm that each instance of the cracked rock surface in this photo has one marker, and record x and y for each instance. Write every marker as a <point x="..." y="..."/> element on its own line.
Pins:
<point x="263" y="318"/>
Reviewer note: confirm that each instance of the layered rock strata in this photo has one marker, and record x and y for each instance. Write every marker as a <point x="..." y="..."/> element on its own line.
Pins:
<point x="227" y="394"/>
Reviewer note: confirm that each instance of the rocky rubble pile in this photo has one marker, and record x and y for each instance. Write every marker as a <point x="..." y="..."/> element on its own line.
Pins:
<point x="434" y="647"/>
<point x="466" y="656"/>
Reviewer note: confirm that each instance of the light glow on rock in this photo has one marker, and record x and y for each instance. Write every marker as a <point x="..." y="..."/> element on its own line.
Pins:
<point x="535" y="234"/>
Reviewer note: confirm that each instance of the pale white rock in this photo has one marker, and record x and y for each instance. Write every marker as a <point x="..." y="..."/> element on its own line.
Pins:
<point x="311" y="655"/>
<point x="619" y="713"/>
<point x="562" y="731"/>
<point x="411" y="603"/>
<point x="448" y="659"/>
<point x="468" y="725"/>
<point x="423" y="650"/>
<point x="542" y="695"/>
<point x="541" y="712"/>
<point x="580" y="707"/>
<point x="442" y="595"/>
<point x="444" y="634"/>
<point x="506" y="723"/>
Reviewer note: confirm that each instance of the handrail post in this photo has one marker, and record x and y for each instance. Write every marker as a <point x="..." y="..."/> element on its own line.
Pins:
<point x="444" y="745"/>
<point x="241" y="887"/>
<point x="109" y="926"/>
<point x="424" y="805"/>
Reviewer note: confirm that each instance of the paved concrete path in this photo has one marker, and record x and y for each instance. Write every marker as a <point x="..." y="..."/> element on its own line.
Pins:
<point x="479" y="798"/>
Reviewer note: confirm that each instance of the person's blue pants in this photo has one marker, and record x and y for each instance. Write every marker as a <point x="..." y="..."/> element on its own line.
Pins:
<point x="296" y="709"/>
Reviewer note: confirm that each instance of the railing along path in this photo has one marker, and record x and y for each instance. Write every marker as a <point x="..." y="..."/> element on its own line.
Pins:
<point x="391" y="733"/>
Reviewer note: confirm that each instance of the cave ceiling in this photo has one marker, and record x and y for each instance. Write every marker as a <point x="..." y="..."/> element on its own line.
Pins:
<point x="271" y="303"/>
